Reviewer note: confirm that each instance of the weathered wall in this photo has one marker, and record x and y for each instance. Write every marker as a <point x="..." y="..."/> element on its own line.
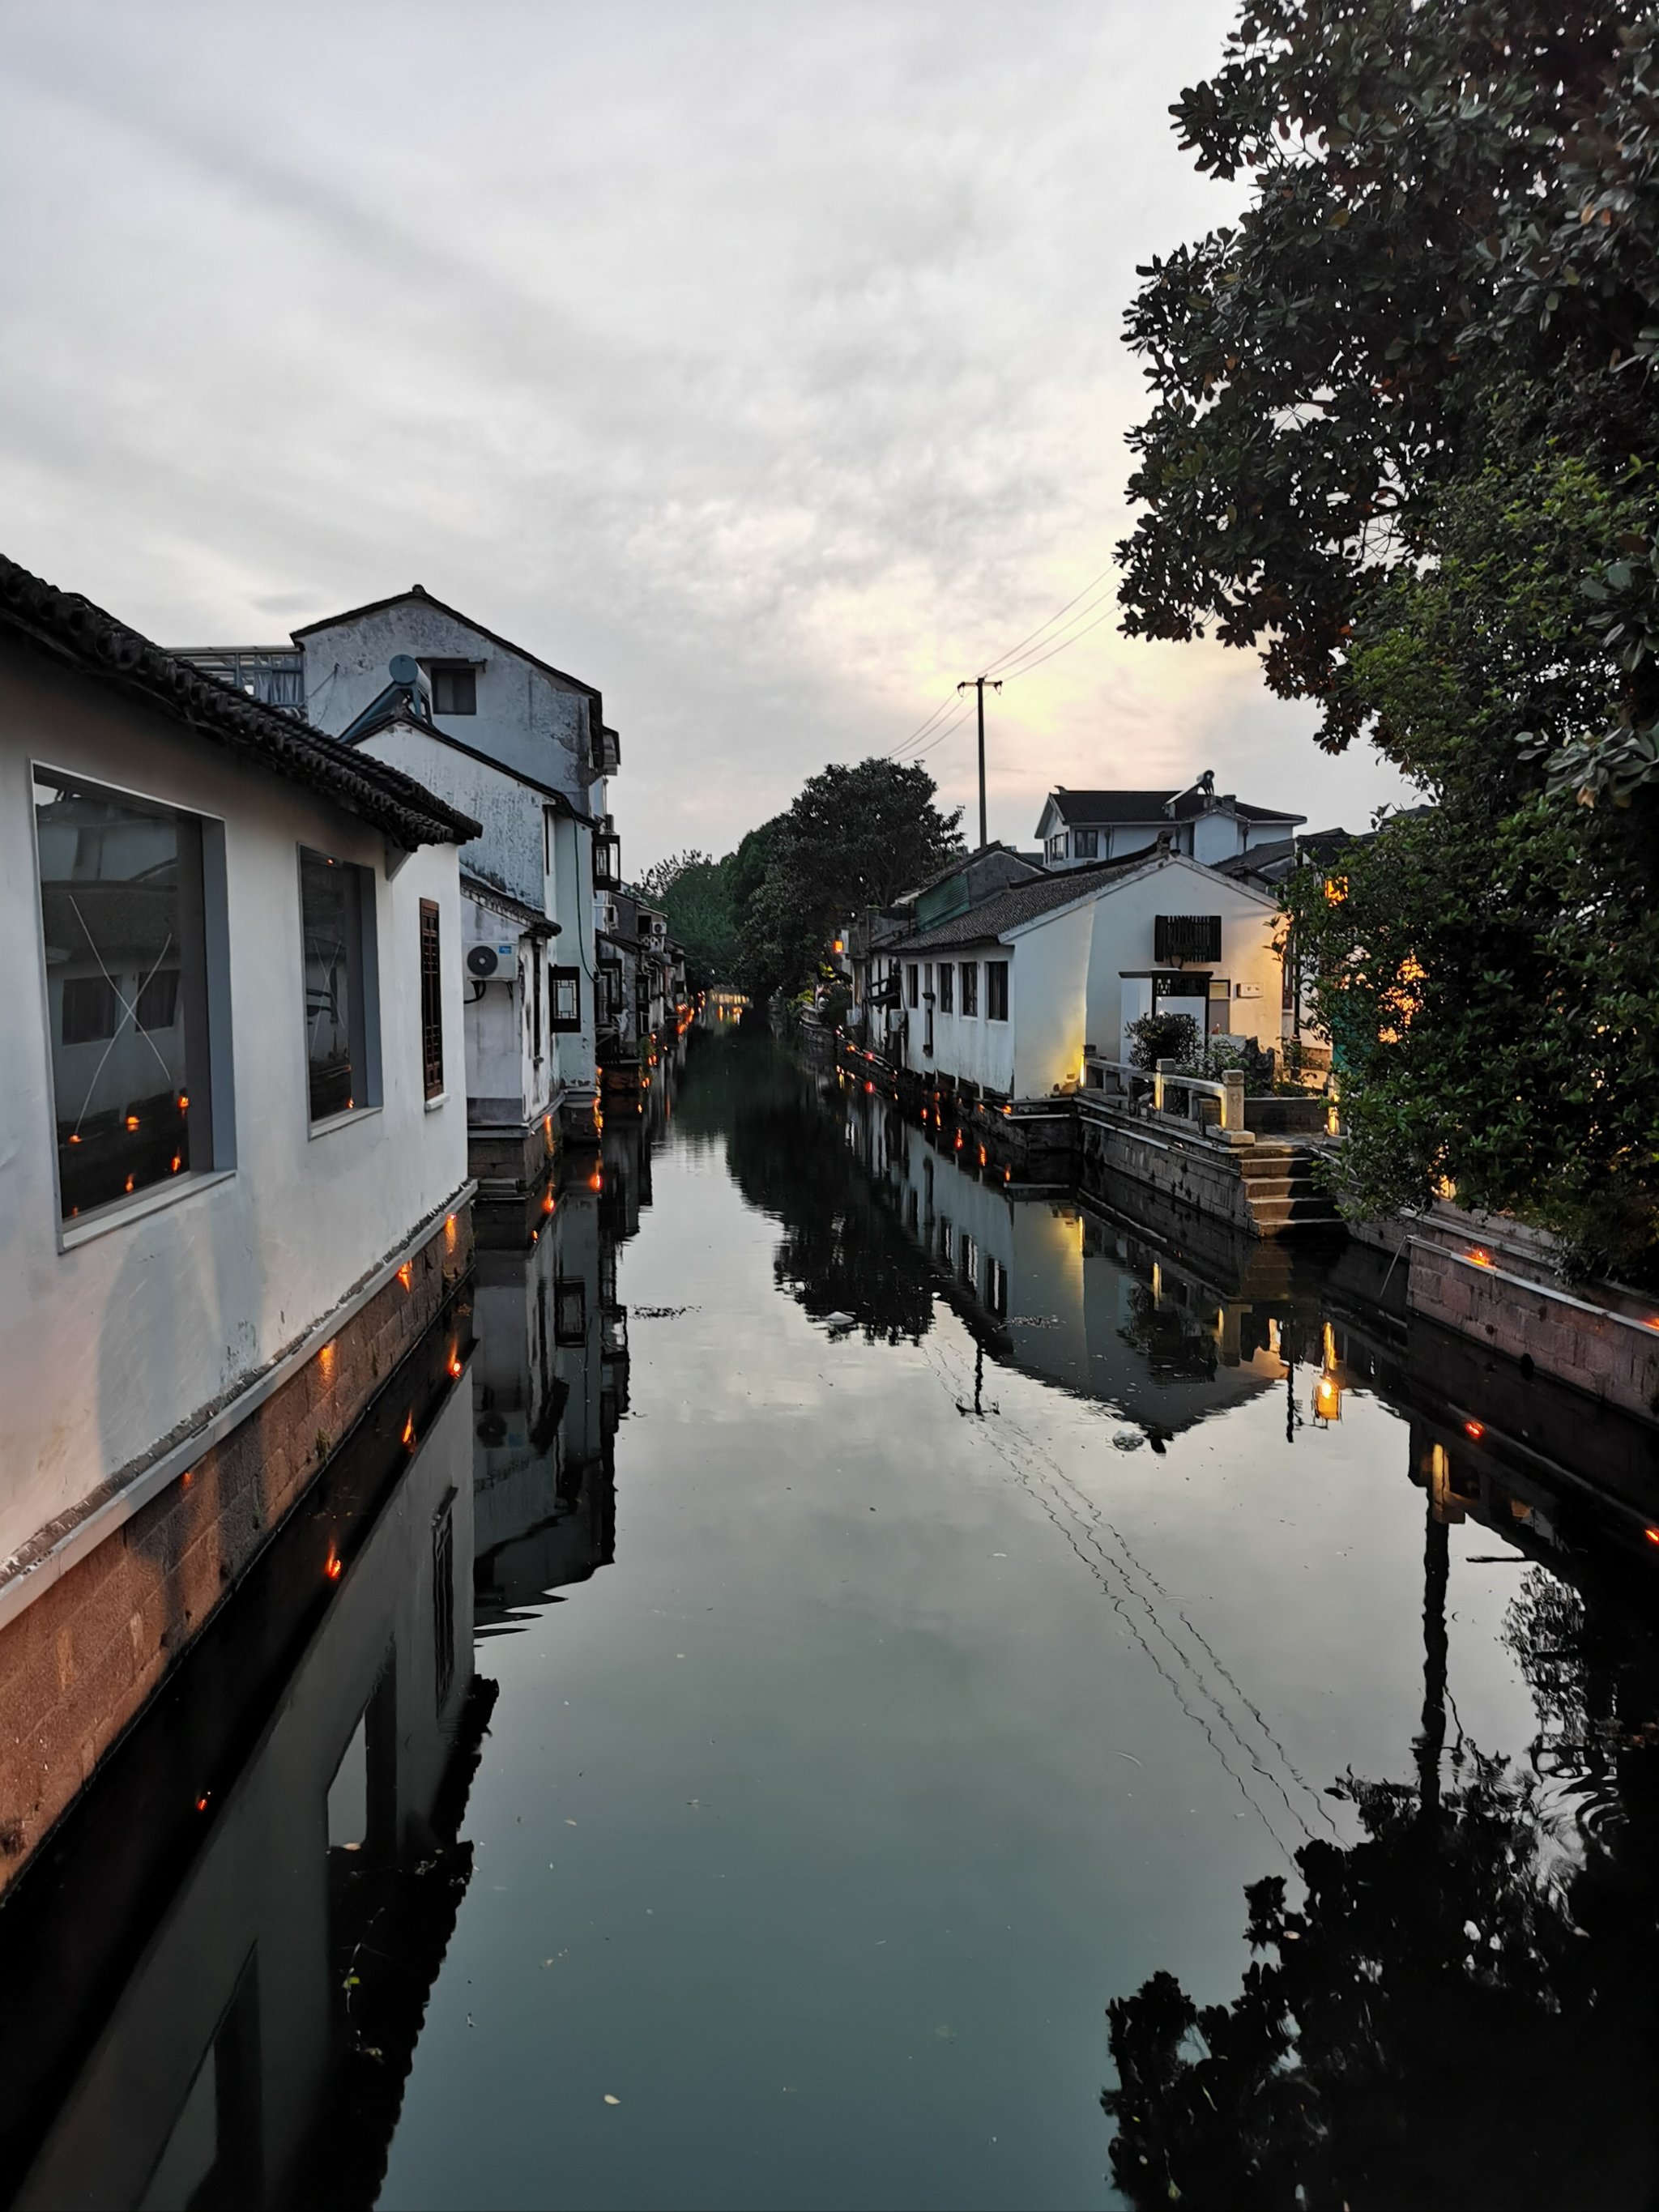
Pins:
<point x="525" y="717"/>
<point x="1605" y="1354"/>
<point x="969" y="1048"/>
<point x="127" y="1337"/>
<point x="78" y="1664"/>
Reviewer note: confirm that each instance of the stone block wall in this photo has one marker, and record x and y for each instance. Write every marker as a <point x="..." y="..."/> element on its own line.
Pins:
<point x="1606" y="1354"/>
<point x="78" y="1665"/>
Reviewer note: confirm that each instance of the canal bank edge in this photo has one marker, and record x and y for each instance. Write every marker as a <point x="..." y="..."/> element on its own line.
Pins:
<point x="93" y="1620"/>
<point x="1491" y="1282"/>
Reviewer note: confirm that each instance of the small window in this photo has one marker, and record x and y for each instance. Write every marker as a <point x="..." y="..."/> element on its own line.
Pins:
<point x="1057" y="848"/>
<point x="610" y="974"/>
<point x="947" y="976"/>
<point x="967" y="1262"/>
<point x="927" y="982"/>
<point x="432" y="1002"/>
<point x="454" y="688"/>
<point x="913" y="984"/>
<point x="1086" y="844"/>
<point x="1182" y="937"/>
<point x="564" y="989"/>
<point x="970" y="987"/>
<point x="996" y="990"/>
<point x="123" y="912"/>
<point x="336" y="908"/>
<point x="569" y="1310"/>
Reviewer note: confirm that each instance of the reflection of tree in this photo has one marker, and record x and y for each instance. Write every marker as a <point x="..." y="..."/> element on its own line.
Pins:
<point x="1462" y="2010"/>
<point x="1446" y="2019"/>
<point x="1175" y="1347"/>
<point x="841" y="1251"/>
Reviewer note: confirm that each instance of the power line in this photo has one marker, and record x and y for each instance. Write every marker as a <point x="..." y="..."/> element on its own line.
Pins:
<point x="1061" y="646"/>
<point x="1033" y="653"/>
<point x="1014" y="650"/>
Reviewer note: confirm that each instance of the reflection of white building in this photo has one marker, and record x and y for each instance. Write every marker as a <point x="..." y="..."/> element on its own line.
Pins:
<point x="234" y="1188"/>
<point x="1004" y="998"/>
<point x="545" y="1408"/>
<point x="1068" y="1296"/>
<point x="327" y="1850"/>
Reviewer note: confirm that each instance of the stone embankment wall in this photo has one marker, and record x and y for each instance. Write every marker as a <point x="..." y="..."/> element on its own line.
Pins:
<point x="1608" y="1355"/>
<point x="79" y="1663"/>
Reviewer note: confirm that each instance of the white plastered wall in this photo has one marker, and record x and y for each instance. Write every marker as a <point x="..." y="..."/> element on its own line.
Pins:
<point x="1124" y="938"/>
<point x="125" y="1338"/>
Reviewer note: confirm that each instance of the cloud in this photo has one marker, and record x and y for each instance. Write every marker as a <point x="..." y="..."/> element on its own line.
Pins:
<point x="761" y="364"/>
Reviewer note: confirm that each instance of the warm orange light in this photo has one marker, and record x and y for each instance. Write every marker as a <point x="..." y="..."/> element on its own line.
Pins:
<point x="982" y="1156"/>
<point x="187" y="1478"/>
<point x="132" y="1120"/>
<point x="406" y="1273"/>
<point x="596" y="1181"/>
<point x="74" y="1139"/>
<point x="958" y="1140"/>
<point x="1007" y="1109"/>
<point x="1652" y="1535"/>
<point x="201" y="1804"/>
<point x="325" y="1361"/>
<point x="1473" y="1429"/>
<point x="129" y="1182"/>
<point x="869" y="1086"/>
<point x="409" y="1434"/>
<point x="454" y="1363"/>
<point x="335" y="1568"/>
<point x="177" y="1162"/>
<point x="1478" y="1258"/>
<point x="547" y="1202"/>
<point x="183" y="1101"/>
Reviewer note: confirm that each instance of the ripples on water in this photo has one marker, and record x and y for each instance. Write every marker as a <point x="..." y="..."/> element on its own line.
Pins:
<point x="949" y="1645"/>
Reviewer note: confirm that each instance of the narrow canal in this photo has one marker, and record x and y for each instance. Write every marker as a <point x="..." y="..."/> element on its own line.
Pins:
<point x="854" y="1622"/>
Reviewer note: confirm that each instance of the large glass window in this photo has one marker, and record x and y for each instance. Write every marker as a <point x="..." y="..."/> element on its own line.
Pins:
<point x="122" y="916"/>
<point x="337" y="905"/>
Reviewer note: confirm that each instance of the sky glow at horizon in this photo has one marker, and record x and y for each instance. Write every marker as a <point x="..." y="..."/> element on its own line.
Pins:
<point x="761" y="366"/>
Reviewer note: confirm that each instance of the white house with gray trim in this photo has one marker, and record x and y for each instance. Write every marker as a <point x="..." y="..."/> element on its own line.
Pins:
<point x="1078" y="827"/>
<point x="1004" y="999"/>
<point x="233" y="1185"/>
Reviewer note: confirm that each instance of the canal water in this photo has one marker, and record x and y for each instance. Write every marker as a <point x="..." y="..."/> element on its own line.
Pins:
<point x="882" y="1686"/>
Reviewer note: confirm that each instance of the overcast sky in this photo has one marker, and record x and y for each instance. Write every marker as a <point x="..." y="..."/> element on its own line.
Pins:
<point x="758" y="363"/>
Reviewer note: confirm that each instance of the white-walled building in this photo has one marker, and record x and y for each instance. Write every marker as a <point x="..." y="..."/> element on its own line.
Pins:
<point x="1005" y="997"/>
<point x="524" y="748"/>
<point x="1077" y="828"/>
<point x="234" y="1184"/>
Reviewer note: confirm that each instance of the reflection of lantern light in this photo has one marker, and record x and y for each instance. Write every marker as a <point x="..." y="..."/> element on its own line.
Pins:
<point x="132" y="1120"/>
<point x="183" y="1103"/>
<point x="596" y="1181"/>
<point x="129" y="1182"/>
<point x="406" y="1273"/>
<point x="1473" y="1429"/>
<point x="335" y="1568"/>
<point x="201" y="1804"/>
<point x="409" y="1434"/>
<point x="177" y="1162"/>
<point x="454" y="1363"/>
<point x="1652" y="1535"/>
<point x="1478" y="1258"/>
<point x="1327" y="1399"/>
<point x="547" y="1202"/>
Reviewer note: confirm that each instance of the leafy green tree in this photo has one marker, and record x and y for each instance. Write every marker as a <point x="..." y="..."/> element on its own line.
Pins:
<point x="694" y="892"/>
<point x="1403" y="444"/>
<point x="854" y="837"/>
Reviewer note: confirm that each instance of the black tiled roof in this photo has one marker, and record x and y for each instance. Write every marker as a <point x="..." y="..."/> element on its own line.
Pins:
<point x="73" y="629"/>
<point x="1090" y="807"/>
<point x="1023" y="903"/>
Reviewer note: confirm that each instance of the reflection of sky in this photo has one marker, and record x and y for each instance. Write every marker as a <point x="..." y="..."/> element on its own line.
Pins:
<point x="820" y="1830"/>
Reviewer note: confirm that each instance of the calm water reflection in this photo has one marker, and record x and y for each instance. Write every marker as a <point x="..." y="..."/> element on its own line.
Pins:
<point x="1005" y="1614"/>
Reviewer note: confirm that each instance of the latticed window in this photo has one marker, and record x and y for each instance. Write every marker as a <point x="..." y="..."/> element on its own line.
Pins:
<point x="432" y="1001"/>
<point x="1183" y="937"/>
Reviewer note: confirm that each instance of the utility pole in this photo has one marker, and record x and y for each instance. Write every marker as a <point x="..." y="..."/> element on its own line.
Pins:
<point x="977" y="684"/>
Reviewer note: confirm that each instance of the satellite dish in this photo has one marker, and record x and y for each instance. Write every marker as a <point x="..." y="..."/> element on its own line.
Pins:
<point x="482" y="960"/>
<point x="404" y="669"/>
